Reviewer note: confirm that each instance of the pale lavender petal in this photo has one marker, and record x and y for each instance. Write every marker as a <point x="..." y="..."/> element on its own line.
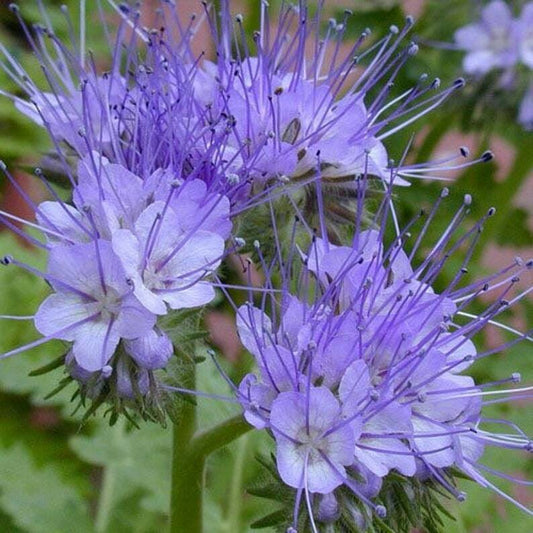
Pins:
<point x="134" y="320"/>
<point x="94" y="344"/>
<point x="200" y="293"/>
<point x="61" y="315"/>
<point x="151" y="351"/>
<point x="254" y="328"/>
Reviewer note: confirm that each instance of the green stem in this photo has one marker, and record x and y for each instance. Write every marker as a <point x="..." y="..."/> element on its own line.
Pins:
<point x="187" y="474"/>
<point x="205" y="443"/>
<point x="189" y="455"/>
<point x="235" y="491"/>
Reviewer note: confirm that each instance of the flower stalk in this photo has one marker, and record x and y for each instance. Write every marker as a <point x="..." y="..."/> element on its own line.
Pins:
<point x="189" y="453"/>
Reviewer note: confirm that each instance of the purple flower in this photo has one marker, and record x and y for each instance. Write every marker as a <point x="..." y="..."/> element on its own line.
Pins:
<point x="243" y="124"/>
<point x="313" y="442"/>
<point x="93" y="305"/>
<point x="369" y="352"/>
<point x="167" y="266"/>
<point x="492" y="42"/>
<point x="85" y="117"/>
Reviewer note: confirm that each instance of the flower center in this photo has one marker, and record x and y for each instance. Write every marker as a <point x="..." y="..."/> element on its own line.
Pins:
<point x="109" y="304"/>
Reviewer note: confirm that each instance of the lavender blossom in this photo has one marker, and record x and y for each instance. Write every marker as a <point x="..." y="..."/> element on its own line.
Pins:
<point x="492" y="42"/>
<point x="122" y="251"/>
<point x="244" y="124"/>
<point x="386" y="356"/>
<point x="93" y="305"/>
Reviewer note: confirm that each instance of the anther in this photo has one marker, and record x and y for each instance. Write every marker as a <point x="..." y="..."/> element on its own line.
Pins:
<point x="465" y="152"/>
<point x="467" y="200"/>
<point x="445" y="192"/>
<point x="491" y="211"/>
<point x="233" y="178"/>
<point x="413" y="49"/>
<point x="487" y="156"/>
<point x="516" y="377"/>
<point x="6" y="260"/>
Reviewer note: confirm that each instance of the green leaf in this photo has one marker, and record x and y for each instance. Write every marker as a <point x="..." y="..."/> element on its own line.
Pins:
<point x="39" y="499"/>
<point x="22" y="293"/>
<point x="140" y="460"/>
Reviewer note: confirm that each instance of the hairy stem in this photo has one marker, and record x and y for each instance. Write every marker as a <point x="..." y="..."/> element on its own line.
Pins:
<point x="189" y="453"/>
<point x="187" y="474"/>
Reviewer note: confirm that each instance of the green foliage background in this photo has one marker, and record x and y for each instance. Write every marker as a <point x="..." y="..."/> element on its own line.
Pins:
<point x="59" y="475"/>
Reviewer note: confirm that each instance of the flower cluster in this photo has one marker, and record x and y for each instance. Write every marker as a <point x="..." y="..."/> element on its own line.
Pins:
<point x="168" y="156"/>
<point x="366" y="373"/>
<point x="500" y="41"/>
<point x="166" y="148"/>
<point x="124" y="252"/>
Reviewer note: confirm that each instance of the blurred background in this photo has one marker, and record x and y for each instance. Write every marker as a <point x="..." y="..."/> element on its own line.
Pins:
<point x="58" y="475"/>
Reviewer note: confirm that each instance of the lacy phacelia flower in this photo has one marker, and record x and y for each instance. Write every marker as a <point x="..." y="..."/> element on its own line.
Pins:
<point x="165" y="146"/>
<point x="369" y="375"/>
<point x="492" y="42"/>
<point x="499" y="42"/>
<point x="121" y="254"/>
<point x="242" y="123"/>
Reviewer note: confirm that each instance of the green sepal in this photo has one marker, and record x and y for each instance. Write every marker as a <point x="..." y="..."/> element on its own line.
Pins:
<point x="62" y="384"/>
<point x="274" y="519"/>
<point x="268" y="491"/>
<point x="56" y="363"/>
